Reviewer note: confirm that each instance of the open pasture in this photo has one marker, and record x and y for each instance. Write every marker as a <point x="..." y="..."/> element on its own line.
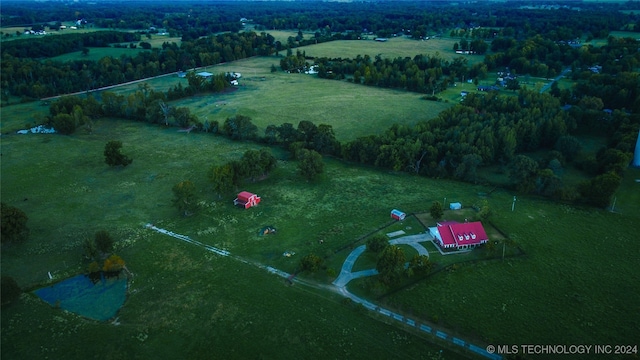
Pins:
<point x="180" y="296"/>
<point x="22" y="116"/>
<point x="186" y="303"/>
<point x="97" y="53"/>
<point x="577" y="281"/>
<point x="275" y="98"/>
<point x="13" y="29"/>
<point x="390" y="49"/>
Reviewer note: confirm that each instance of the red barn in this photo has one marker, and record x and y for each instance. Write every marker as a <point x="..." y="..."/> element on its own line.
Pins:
<point x="452" y="234"/>
<point x="246" y="200"/>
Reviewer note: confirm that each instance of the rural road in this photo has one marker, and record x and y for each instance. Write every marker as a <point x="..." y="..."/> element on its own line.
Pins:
<point x="547" y="86"/>
<point x="121" y="84"/>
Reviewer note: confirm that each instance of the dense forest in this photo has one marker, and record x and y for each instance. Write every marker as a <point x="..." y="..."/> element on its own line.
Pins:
<point x="484" y="130"/>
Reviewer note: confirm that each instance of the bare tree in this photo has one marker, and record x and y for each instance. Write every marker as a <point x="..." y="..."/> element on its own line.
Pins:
<point x="166" y="111"/>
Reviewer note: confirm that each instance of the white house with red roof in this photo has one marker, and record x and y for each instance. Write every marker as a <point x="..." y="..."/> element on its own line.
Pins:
<point x="460" y="236"/>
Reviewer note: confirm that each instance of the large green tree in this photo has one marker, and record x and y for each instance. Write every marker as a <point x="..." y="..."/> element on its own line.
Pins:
<point x="420" y="265"/>
<point x="256" y="163"/>
<point x="522" y="172"/>
<point x="113" y="156"/>
<point x="239" y="127"/>
<point x="390" y="264"/>
<point x="310" y="164"/>
<point x="599" y="190"/>
<point x="436" y="210"/>
<point x="467" y="170"/>
<point x="14" y="224"/>
<point x="377" y="243"/>
<point x="311" y="263"/>
<point x="184" y="197"/>
<point x="222" y="178"/>
<point x="104" y="241"/>
<point x="64" y="124"/>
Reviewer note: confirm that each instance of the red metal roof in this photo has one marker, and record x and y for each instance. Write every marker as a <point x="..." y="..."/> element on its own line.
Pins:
<point x="244" y="196"/>
<point x="460" y="234"/>
<point x="446" y="236"/>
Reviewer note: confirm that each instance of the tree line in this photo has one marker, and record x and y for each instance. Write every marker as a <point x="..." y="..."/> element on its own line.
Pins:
<point x="484" y="130"/>
<point x="46" y="47"/>
<point x="30" y="78"/>
<point x="416" y="19"/>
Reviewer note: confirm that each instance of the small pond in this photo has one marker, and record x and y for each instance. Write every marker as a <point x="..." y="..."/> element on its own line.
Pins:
<point x="99" y="301"/>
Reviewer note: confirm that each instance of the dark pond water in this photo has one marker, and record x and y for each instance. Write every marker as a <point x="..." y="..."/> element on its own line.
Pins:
<point x="100" y="301"/>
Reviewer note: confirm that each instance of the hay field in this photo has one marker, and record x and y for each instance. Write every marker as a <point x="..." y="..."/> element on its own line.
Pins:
<point x="275" y="98"/>
<point x="391" y="49"/>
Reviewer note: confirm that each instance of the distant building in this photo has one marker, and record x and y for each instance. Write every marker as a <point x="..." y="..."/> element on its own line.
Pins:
<point x="488" y="88"/>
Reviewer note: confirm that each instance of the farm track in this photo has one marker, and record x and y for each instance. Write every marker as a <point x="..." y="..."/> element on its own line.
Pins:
<point x="339" y="285"/>
<point x="117" y="85"/>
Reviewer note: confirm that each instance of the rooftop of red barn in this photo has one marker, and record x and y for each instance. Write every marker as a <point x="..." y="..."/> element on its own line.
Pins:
<point x="245" y="195"/>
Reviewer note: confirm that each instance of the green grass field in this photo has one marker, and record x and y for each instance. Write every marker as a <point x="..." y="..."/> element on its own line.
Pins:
<point x="391" y="49"/>
<point x="569" y="271"/>
<point x="96" y="54"/>
<point x="22" y="116"/>
<point x="275" y="98"/>
<point x="576" y="284"/>
<point x="177" y="288"/>
<point x="12" y="30"/>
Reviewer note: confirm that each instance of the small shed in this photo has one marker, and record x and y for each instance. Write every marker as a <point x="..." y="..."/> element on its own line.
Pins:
<point x="397" y="215"/>
<point x="455" y="206"/>
<point x="246" y="200"/>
